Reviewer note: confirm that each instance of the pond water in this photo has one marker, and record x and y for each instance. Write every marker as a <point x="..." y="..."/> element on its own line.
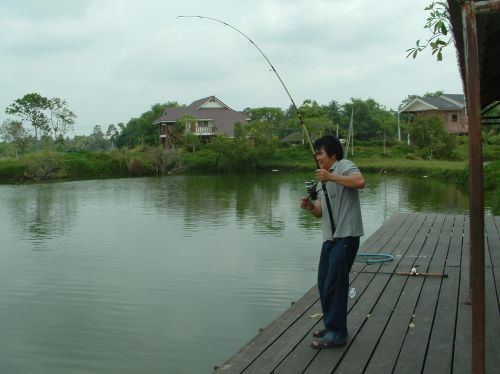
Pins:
<point x="164" y="275"/>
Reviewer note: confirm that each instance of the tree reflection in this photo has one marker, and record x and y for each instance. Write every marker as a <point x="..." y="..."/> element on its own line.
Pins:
<point x="41" y="211"/>
<point x="220" y="198"/>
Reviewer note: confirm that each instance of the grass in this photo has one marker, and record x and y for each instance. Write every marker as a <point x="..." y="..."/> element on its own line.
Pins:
<point x="141" y="161"/>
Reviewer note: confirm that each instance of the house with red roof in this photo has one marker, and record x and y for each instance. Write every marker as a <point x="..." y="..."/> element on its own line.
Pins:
<point x="206" y="118"/>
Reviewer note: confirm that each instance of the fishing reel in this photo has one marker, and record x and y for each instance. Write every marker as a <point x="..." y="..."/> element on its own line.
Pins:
<point x="311" y="189"/>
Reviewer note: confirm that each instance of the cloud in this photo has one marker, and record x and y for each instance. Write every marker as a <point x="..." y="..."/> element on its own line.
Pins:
<point x="112" y="60"/>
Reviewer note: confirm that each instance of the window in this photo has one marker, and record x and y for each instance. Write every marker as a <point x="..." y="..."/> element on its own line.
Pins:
<point x="454" y="117"/>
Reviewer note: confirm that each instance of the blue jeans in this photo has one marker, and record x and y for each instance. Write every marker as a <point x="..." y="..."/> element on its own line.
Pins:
<point x="337" y="257"/>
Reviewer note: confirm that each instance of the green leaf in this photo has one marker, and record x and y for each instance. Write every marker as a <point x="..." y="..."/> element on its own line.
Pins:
<point x="444" y="30"/>
<point x="440" y="56"/>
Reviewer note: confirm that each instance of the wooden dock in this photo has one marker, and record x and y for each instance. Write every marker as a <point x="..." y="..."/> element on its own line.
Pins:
<point x="397" y="324"/>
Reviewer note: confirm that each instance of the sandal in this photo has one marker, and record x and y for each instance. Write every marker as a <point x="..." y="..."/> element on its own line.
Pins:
<point x="319" y="333"/>
<point x="325" y="343"/>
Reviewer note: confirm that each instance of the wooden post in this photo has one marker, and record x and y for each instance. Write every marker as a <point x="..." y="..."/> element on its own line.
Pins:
<point x="476" y="199"/>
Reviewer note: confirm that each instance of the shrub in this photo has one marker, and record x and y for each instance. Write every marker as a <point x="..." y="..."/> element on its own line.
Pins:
<point x="12" y="169"/>
<point x="431" y="139"/>
<point x="43" y="165"/>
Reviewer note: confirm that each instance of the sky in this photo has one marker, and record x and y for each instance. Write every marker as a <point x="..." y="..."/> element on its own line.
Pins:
<point x="112" y="60"/>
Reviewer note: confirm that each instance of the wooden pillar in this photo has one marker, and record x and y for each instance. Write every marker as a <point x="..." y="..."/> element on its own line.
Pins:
<point x="477" y="256"/>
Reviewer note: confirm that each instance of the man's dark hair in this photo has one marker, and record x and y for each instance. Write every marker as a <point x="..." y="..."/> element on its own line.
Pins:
<point x="331" y="145"/>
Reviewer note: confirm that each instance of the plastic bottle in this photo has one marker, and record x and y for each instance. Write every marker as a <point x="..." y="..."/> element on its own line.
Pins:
<point x="352" y="293"/>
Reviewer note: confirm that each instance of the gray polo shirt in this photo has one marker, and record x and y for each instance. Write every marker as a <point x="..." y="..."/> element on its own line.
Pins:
<point x="345" y="204"/>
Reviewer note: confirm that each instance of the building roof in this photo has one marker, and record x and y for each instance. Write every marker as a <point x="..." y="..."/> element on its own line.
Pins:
<point x="208" y="109"/>
<point x="443" y="102"/>
<point x="488" y="35"/>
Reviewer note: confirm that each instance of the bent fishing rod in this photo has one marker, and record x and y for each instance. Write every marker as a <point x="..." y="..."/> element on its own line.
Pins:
<point x="306" y="132"/>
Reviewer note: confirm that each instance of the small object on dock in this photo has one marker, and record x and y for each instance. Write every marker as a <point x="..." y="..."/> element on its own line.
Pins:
<point x="352" y="293"/>
<point x="316" y="315"/>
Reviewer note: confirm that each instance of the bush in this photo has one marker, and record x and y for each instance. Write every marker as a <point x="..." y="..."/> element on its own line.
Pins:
<point x="431" y="139"/>
<point x="43" y="165"/>
<point x="12" y="169"/>
<point x="491" y="174"/>
<point x="88" y="164"/>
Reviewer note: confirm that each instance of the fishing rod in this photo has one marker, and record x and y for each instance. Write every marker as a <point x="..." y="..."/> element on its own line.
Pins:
<point x="306" y="132"/>
<point x="405" y="273"/>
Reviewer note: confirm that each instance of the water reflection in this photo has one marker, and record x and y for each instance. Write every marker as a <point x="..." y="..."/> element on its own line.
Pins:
<point x="42" y="211"/>
<point x="245" y="198"/>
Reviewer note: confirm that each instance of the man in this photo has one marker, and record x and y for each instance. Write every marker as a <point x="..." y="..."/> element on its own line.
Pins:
<point x="343" y="180"/>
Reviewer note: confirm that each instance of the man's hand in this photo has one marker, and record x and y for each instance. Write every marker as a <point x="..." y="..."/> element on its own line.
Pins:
<point x="305" y="203"/>
<point x="314" y="208"/>
<point x="323" y="175"/>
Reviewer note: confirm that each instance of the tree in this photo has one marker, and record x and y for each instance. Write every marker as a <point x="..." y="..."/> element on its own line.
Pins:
<point x="15" y="133"/>
<point x="47" y="116"/>
<point x="367" y="117"/>
<point x="111" y="134"/>
<point x="428" y="134"/>
<point x="438" y="23"/>
<point x="388" y="124"/>
<point x="62" y="119"/>
<point x="97" y="140"/>
<point x="316" y="118"/>
<point x="270" y="114"/>
<point x="140" y="131"/>
<point x="31" y="108"/>
<point x="334" y="113"/>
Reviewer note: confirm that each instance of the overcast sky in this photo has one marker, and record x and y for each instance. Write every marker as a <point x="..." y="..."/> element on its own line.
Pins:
<point x="111" y="60"/>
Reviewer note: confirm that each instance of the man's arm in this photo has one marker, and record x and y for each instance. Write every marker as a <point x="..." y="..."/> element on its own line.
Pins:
<point x="352" y="181"/>
<point x="314" y="208"/>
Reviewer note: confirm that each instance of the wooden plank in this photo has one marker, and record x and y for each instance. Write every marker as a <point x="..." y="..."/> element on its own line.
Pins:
<point x="362" y="342"/>
<point x="413" y="253"/>
<point x="463" y="338"/>
<point x="492" y="321"/>
<point x="439" y="358"/>
<point x="391" y="225"/>
<point x="385" y="356"/>
<point x="492" y="310"/>
<point x="454" y="254"/>
<point x="493" y="242"/>
<point x="492" y="255"/>
<point x="412" y="353"/>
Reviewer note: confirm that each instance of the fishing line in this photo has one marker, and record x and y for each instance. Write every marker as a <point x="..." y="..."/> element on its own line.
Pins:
<point x="306" y="132"/>
<point x="273" y="69"/>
